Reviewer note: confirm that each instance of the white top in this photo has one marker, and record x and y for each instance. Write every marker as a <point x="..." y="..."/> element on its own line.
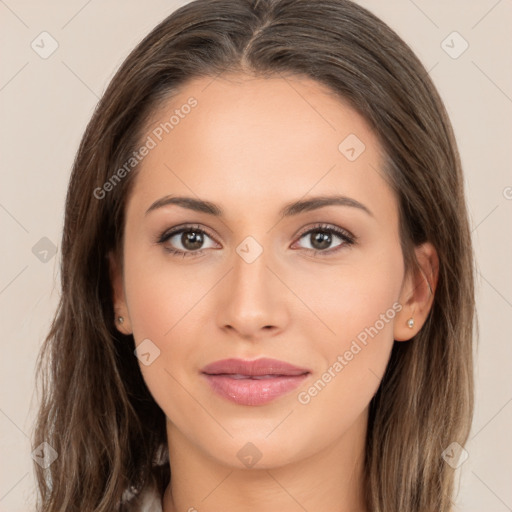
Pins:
<point x="151" y="501"/>
<point x="148" y="500"/>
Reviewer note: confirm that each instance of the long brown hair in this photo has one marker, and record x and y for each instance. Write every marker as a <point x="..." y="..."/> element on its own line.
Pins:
<point x="96" y="411"/>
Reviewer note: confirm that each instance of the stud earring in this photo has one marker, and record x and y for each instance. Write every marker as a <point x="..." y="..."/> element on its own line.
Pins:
<point x="410" y="322"/>
<point x="120" y="319"/>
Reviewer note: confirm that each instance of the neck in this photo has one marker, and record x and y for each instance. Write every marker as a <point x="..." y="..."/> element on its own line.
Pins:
<point x="328" y="480"/>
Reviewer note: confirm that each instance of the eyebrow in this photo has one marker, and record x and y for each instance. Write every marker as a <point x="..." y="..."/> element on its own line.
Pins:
<point x="290" y="209"/>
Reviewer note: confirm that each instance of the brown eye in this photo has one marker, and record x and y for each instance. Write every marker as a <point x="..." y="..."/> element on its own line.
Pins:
<point x="321" y="238"/>
<point x="192" y="240"/>
<point x="185" y="241"/>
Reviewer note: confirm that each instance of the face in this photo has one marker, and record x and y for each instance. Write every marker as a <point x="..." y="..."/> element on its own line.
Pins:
<point x="257" y="275"/>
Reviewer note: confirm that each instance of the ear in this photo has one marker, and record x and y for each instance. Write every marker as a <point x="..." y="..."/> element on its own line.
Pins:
<point x="122" y="317"/>
<point x="417" y="295"/>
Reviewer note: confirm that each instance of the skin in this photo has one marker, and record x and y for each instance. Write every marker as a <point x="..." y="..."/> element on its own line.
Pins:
<point x="250" y="146"/>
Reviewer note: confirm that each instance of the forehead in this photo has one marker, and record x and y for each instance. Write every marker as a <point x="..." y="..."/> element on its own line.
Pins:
<point x="256" y="139"/>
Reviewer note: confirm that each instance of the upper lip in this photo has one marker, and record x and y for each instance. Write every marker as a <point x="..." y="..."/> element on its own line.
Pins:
<point x="263" y="366"/>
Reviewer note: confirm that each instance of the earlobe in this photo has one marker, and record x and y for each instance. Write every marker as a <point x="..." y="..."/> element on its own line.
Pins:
<point x="418" y="293"/>
<point x="122" y="319"/>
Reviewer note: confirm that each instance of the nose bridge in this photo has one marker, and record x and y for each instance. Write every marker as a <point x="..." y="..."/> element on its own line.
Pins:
<point x="252" y="295"/>
<point x="250" y="278"/>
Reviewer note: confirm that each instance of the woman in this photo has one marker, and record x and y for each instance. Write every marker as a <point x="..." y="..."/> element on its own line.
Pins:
<point x="267" y="275"/>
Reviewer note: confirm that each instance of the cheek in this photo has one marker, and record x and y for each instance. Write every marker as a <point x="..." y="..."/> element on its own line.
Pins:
<point x="352" y="301"/>
<point x="164" y="301"/>
<point x="160" y="292"/>
<point x="355" y="310"/>
<point x="161" y="317"/>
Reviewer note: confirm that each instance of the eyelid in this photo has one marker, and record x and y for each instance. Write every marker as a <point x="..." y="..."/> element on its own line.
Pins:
<point x="328" y="227"/>
<point x="183" y="227"/>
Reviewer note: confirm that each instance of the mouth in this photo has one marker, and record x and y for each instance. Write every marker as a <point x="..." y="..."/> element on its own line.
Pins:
<point x="253" y="382"/>
<point x="238" y="376"/>
<point x="255" y="368"/>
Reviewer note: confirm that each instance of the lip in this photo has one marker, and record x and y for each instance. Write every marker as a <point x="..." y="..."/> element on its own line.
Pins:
<point x="255" y="382"/>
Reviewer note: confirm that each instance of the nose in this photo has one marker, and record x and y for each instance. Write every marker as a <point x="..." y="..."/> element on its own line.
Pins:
<point x="253" y="299"/>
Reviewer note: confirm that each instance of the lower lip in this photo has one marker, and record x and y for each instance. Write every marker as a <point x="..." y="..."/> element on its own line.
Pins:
<point x="253" y="391"/>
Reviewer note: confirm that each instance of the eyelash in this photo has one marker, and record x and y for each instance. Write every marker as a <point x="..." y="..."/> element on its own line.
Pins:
<point x="348" y="238"/>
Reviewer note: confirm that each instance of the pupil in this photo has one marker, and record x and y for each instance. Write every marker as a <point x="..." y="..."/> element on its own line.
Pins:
<point x="191" y="240"/>
<point x="321" y="240"/>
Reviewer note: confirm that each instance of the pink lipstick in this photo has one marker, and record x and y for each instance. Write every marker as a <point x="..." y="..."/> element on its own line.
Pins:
<point x="254" y="382"/>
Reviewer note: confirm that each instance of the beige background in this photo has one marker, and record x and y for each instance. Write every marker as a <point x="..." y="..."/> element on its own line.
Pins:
<point x="46" y="103"/>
